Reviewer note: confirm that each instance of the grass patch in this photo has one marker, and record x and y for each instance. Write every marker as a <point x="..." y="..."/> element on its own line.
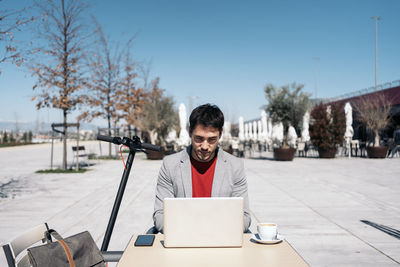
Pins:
<point x="62" y="171"/>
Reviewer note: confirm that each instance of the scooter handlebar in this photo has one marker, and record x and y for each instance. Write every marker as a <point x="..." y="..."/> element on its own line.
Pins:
<point x="114" y="140"/>
<point x="119" y="141"/>
<point x="151" y="147"/>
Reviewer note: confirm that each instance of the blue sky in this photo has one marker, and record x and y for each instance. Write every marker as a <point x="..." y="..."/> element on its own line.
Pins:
<point x="225" y="52"/>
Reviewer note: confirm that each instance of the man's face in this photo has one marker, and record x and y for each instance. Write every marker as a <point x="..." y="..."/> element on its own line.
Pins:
<point x="204" y="142"/>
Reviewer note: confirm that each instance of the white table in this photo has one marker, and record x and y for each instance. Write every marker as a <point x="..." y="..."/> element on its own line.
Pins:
<point x="250" y="254"/>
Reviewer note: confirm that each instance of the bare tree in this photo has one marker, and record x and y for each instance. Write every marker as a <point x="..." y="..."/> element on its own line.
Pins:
<point x="131" y="98"/>
<point x="57" y="65"/>
<point x="104" y="65"/>
<point x="11" y="21"/>
<point x="374" y="113"/>
<point x="144" y="69"/>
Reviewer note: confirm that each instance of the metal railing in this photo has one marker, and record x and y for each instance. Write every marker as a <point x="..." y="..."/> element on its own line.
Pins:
<point x="368" y="90"/>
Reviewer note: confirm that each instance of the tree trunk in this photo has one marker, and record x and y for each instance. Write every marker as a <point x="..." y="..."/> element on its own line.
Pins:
<point x="65" y="89"/>
<point x="284" y="141"/>
<point x="116" y="133"/>
<point x="64" y="161"/>
<point x="376" y="141"/>
<point x="152" y="137"/>
<point x="285" y="136"/>
<point x="129" y="131"/>
<point x="109" y="134"/>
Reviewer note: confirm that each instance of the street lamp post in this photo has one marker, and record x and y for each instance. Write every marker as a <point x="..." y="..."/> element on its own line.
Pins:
<point x="376" y="18"/>
<point x="316" y="59"/>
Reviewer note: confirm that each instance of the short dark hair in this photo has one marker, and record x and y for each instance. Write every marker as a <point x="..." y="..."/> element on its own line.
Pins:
<point x="207" y="115"/>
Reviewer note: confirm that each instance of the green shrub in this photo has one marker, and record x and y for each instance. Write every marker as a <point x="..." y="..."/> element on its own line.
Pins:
<point x="287" y="104"/>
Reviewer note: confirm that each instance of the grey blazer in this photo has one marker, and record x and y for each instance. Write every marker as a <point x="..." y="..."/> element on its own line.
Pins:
<point x="175" y="180"/>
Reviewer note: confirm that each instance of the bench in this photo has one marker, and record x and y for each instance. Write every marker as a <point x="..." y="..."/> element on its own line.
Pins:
<point x="79" y="152"/>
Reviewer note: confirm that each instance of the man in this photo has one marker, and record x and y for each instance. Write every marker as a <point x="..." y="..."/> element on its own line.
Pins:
<point x="202" y="169"/>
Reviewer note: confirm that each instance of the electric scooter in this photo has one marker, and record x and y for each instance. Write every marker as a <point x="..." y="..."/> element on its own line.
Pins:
<point x="134" y="145"/>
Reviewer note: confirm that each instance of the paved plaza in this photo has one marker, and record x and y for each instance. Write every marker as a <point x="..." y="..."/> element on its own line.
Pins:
<point x="318" y="204"/>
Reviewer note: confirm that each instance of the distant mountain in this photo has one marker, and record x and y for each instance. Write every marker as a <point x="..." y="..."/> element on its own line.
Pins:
<point x="41" y="127"/>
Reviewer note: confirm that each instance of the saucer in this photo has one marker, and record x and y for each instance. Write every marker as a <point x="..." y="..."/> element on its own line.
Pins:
<point x="257" y="238"/>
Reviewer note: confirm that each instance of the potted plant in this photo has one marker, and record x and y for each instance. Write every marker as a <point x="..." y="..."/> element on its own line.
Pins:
<point x="327" y="128"/>
<point x="159" y="117"/>
<point x="373" y="111"/>
<point x="286" y="104"/>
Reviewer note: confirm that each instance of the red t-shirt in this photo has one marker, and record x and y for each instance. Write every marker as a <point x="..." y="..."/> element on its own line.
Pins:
<point x="202" y="177"/>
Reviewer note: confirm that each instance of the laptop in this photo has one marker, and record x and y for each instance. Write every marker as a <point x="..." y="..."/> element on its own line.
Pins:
<point x="203" y="222"/>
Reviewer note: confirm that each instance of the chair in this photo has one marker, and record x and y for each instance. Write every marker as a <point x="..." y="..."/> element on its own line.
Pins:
<point x="395" y="151"/>
<point x="354" y="145"/>
<point x="394" y="145"/>
<point x="15" y="248"/>
<point x="301" y="149"/>
<point x="310" y="148"/>
<point x="79" y="152"/>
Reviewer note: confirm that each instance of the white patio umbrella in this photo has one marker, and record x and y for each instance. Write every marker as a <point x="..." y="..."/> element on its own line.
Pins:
<point x="348" y="135"/>
<point x="349" y="121"/>
<point x="226" y="133"/>
<point x="250" y="131"/>
<point x="292" y="136"/>
<point x="184" y="138"/>
<point x="255" y="135"/>
<point x="260" y="132"/>
<point x="264" y="125"/>
<point x="241" y="129"/>
<point x="305" y="134"/>
<point x="269" y="128"/>
<point x="246" y="132"/>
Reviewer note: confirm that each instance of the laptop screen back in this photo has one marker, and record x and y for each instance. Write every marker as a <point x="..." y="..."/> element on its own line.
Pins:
<point x="203" y="222"/>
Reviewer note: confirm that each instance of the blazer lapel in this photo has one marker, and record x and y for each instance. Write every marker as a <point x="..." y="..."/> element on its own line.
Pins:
<point x="186" y="172"/>
<point x="219" y="175"/>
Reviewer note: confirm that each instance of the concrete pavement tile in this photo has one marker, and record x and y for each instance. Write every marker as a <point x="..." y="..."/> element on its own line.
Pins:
<point x="318" y="204"/>
<point x="338" y="250"/>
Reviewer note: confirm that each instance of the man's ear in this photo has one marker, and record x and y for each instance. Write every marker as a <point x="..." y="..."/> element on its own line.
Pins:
<point x="190" y="133"/>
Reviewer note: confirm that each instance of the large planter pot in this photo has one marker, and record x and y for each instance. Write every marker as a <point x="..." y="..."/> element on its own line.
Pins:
<point x="327" y="153"/>
<point x="377" y="152"/>
<point x="284" y="154"/>
<point x="155" y="155"/>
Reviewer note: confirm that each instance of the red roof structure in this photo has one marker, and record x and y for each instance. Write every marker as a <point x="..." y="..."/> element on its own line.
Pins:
<point x="390" y="94"/>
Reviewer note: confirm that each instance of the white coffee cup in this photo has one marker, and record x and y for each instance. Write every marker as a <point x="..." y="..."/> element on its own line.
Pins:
<point x="267" y="231"/>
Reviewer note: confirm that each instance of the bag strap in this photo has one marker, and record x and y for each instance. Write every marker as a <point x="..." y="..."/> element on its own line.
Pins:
<point x="58" y="237"/>
<point x="68" y="252"/>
